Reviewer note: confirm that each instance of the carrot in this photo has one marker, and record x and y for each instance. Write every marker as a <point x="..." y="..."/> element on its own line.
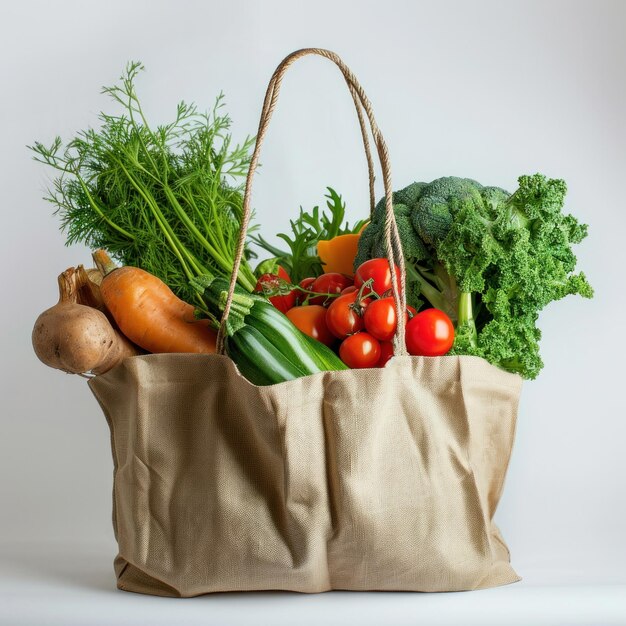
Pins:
<point x="148" y="312"/>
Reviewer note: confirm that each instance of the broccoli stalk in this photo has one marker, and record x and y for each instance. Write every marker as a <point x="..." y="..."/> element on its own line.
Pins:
<point x="437" y="286"/>
<point x="466" y="318"/>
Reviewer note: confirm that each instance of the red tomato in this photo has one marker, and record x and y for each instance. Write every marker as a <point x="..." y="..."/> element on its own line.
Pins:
<point x="380" y="319"/>
<point x="412" y="311"/>
<point x="311" y="320"/>
<point x="350" y="289"/>
<point x="282" y="273"/>
<point x="331" y="282"/>
<point x="343" y="316"/>
<point x="305" y="283"/>
<point x="284" y="299"/>
<point x="378" y="270"/>
<point x="429" y="333"/>
<point x="360" y="350"/>
<point x="386" y="352"/>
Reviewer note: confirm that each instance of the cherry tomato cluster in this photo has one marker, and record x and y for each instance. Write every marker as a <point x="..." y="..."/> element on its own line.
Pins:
<point x="359" y="312"/>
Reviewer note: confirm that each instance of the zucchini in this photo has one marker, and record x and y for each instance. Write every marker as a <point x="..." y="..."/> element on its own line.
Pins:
<point x="266" y="347"/>
<point x="258" y="360"/>
<point x="296" y="346"/>
<point x="328" y="360"/>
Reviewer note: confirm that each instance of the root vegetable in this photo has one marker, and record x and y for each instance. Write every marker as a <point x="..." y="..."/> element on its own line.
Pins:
<point x="77" y="338"/>
<point x="148" y="313"/>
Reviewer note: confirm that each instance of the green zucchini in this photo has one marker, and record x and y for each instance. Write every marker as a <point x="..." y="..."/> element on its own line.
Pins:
<point x="266" y="347"/>
<point x="328" y="360"/>
<point x="296" y="346"/>
<point x="258" y="360"/>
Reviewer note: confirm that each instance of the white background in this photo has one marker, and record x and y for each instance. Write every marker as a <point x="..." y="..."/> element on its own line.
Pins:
<point x="487" y="90"/>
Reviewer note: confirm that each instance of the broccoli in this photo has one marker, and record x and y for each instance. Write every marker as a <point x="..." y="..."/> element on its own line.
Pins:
<point x="491" y="260"/>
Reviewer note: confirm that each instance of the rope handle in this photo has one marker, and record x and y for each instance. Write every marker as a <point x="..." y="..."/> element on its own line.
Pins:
<point x="393" y="246"/>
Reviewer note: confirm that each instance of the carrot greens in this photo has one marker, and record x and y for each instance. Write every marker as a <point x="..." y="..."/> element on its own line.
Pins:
<point x="167" y="199"/>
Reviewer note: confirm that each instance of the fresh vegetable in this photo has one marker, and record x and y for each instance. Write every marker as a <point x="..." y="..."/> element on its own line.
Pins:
<point x="264" y="344"/>
<point x="259" y="360"/>
<point x="148" y="312"/>
<point x="330" y="283"/>
<point x="377" y="270"/>
<point x="278" y="291"/>
<point x="75" y="337"/>
<point x="345" y="315"/>
<point x="305" y="286"/>
<point x="307" y="230"/>
<point x="311" y="320"/>
<point x="386" y="352"/>
<point x="159" y="198"/>
<point x="360" y="350"/>
<point x="271" y="266"/>
<point x="489" y="259"/>
<point x="429" y="333"/>
<point x="380" y="320"/>
<point x="338" y="254"/>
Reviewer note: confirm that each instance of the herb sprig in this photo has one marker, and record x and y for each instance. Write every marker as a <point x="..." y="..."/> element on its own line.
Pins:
<point x="301" y="259"/>
<point x="162" y="198"/>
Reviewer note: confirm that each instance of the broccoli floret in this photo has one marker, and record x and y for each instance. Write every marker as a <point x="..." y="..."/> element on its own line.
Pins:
<point x="372" y="241"/>
<point x="409" y="195"/>
<point x="489" y="259"/>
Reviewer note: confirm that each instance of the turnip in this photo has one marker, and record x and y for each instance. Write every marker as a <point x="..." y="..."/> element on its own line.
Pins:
<point x="75" y="337"/>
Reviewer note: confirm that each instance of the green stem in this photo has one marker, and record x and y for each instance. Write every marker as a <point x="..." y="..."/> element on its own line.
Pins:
<point x="245" y="278"/>
<point x="177" y="247"/>
<point x="182" y="214"/>
<point x="99" y="211"/>
<point x="432" y="294"/>
<point x="188" y="196"/>
<point x="466" y="315"/>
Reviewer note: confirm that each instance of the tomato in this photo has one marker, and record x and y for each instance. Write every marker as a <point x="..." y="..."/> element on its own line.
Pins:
<point x="380" y="319"/>
<point x="305" y="283"/>
<point x="344" y="315"/>
<point x="378" y="271"/>
<point x="311" y="320"/>
<point x="284" y="298"/>
<point x="282" y="273"/>
<point x="350" y="289"/>
<point x="332" y="282"/>
<point x="411" y="310"/>
<point x="429" y="333"/>
<point x="271" y="266"/>
<point x="386" y="352"/>
<point x="360" y="350"/>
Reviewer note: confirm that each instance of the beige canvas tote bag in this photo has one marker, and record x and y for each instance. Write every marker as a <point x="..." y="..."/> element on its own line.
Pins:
<point x="376" y="479"/>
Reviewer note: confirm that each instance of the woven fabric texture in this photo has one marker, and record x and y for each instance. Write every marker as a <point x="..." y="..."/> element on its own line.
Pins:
<point x="378" y="479"/>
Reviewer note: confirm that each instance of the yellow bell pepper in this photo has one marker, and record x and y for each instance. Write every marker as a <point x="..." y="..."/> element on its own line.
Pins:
<point x="338" y="254"/>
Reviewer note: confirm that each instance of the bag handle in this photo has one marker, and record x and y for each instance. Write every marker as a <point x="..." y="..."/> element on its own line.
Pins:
<point x="393" y="246"/>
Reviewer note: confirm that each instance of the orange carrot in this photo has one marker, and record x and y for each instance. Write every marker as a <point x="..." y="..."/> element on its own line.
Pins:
<point x="148" y="312"/>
